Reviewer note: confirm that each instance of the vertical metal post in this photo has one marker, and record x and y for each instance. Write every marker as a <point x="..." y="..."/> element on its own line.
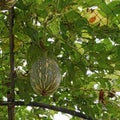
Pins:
<point x="11" y="95"/>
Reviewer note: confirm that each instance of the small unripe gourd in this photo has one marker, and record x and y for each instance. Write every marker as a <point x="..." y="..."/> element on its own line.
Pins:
<point x="6" y="4"/>
<point x="45" y="76"/>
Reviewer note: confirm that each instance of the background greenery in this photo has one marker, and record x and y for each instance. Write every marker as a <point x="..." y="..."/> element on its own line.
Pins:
<point x="83" y="36"/>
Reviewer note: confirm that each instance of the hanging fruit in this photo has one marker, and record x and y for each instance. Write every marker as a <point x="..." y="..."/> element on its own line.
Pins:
<point x="45" y="76"/>
<point x="6" y="4"/>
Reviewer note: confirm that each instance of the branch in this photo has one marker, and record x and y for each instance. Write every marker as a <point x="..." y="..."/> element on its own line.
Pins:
<point x="51" y="107"/>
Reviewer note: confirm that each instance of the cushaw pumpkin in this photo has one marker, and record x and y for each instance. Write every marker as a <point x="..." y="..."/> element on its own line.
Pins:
<point x="45" y="76"/>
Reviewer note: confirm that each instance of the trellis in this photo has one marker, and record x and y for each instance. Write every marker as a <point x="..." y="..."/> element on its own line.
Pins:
<point x="11" y="102"/>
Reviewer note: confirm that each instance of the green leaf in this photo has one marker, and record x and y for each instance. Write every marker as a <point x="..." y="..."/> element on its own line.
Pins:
<point x="108" y="44"/>
<point x="113" y="6"/>
<point x="32" y="33"/>
<point x="24" y="88"/>
<point x="55" y="26"/>
<point x="118" y="52"/>
<point x="104" y="7"/>
<point x="34" y="52"/>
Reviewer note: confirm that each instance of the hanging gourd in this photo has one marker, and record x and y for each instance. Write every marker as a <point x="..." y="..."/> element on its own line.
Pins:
<point x="6" y="4"/>
<point x="45" y="76"/>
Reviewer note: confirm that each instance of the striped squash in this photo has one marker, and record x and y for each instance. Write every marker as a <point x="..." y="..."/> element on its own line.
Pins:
<point x="45" y="76"/>
<point x="6" y="4"/>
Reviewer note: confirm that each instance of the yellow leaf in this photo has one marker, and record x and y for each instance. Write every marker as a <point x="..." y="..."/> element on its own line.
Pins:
<point x="94" y="17"/>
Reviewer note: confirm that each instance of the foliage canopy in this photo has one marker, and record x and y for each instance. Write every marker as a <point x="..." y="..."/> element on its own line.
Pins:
<point x="83" y="36"/>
